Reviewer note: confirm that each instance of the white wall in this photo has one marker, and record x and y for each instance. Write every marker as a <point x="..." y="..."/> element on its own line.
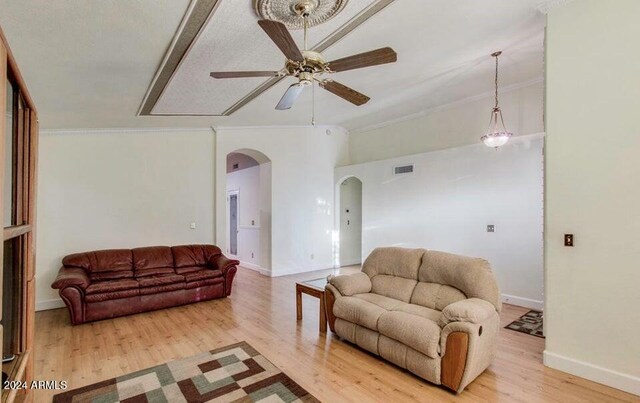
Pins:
<point x="302" y="163"/>
<point x="592" y="191"/>
<point x="449" y="200"/>
<point x="254" y="213"/>
<point x="350" y="222"/>
<point x="120" y="189"/>
<point x="458" y="124"/>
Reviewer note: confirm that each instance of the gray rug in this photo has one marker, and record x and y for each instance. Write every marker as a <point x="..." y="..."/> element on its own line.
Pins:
<point x="530" y="323"/>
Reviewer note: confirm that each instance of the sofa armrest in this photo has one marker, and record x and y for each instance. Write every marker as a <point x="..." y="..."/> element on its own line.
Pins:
<point x="221" y="262"/>
<point x="472" y="310"/>
<point x="468" y="348"/>
<point x="351" y="284"/>
<point x="71" y="276"/>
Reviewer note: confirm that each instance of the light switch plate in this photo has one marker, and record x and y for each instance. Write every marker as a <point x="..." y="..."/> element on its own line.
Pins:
<point x="193" y="225"/>
<point x="491" y="228"/>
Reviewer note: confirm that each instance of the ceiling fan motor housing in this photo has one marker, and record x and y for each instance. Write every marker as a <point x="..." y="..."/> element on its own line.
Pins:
<point x="313" y="63"/>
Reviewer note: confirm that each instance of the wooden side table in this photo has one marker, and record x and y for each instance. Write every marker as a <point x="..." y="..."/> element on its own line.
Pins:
<point x="315" y="288"/>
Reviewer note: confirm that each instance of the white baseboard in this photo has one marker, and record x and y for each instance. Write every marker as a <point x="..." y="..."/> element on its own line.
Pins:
<point x="618" y="380"/>
<point x="255" y="267"/>
<point x="47" y="304"/>
<point x="350" y="262"/>
<point x="523" y="302"/>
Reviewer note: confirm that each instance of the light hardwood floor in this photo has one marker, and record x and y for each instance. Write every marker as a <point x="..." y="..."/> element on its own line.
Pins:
<point x="262" y="311"/>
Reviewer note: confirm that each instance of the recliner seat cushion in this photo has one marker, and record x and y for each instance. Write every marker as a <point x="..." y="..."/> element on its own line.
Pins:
<point x="424" y="312"/>
<point x="358" y="311"/>
<point x="380" y="300"/>
<point x="419" y="333"/>
<point x="111" y="286"/>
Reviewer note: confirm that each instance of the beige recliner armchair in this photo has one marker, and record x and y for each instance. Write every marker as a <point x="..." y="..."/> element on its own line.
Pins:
<point x="433" y="313"/>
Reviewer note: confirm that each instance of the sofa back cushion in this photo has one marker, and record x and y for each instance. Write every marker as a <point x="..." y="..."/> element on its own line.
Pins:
<point x="435" y="296"/>
<point x="103" y="264"/>
<point x="472" y="276"/>
<point x="393" y="271"/>
<point x="152" y="260"/>
<point x="194" y="255"/>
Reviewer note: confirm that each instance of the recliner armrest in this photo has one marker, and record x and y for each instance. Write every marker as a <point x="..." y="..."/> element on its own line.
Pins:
<point x="472" y="310"/>
<point x="71" y="276"/>
<point x="351" y="284"/>
<point x="221" y="262"/>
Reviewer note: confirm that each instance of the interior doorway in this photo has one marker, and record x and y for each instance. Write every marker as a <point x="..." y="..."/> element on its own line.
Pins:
<point x="350" y="235"/>
<point x="248" y="229"/>
<point x="233" y="222"/>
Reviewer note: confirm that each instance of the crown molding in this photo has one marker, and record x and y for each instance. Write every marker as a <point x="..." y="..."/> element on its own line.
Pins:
<point x="267" y="127"/>
<point x="128" y="130"/>
<point x="547" y="5"/>
<point x="460" y="102"/>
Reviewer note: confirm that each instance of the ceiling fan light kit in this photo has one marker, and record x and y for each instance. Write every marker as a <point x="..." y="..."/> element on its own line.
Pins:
<point x="497" y="134"/>
<point x="307" y="66"/>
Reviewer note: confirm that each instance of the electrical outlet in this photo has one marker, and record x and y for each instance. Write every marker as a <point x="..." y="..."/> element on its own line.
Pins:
<point x="491" y="228"/>
<point x="312" y="256"/>
<point x="192" y="225"/>
<point x="568" y="240"/>
<point x="251" y="255"/>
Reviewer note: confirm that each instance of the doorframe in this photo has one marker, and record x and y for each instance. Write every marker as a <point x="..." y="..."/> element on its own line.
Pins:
<point x="235" y="192"/>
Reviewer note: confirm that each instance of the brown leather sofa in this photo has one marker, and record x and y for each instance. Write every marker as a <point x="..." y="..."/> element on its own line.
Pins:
<point x="109" y="283"/>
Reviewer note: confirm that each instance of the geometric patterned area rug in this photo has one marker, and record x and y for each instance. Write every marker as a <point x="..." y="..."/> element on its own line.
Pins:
<point x="236" y="373"/>
<point x="530" y="323"/>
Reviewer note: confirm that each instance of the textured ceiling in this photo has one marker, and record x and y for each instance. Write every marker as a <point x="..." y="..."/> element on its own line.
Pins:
<point x="95" y="72"/>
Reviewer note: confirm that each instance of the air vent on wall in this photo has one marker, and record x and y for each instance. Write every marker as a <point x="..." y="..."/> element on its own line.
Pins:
<point x="403" y="169"/>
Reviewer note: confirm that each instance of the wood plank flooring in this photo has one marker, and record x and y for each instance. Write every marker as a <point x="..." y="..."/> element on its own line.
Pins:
<point x="262" y="311"/>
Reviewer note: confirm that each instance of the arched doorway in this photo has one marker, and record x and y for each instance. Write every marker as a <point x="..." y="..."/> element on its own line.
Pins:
<point x="349" y="203"/>
<point x="248" y="209"/>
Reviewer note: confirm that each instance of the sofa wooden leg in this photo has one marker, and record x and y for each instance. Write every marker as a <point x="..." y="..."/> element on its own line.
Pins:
<point x="454" y="360"/>
<point x="329" y="300"/>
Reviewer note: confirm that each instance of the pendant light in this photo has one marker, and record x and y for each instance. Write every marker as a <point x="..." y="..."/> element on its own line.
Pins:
<point x="497" y="134"/>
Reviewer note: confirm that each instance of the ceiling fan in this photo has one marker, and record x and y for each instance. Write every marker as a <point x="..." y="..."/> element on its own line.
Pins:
<point x="308" y="66"/>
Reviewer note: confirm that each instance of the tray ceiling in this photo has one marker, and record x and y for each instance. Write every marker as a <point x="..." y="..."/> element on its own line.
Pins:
<point x="98" y="70"/>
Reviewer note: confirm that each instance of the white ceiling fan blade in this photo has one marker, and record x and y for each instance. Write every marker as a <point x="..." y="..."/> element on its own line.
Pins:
<point x="289" y="97"/>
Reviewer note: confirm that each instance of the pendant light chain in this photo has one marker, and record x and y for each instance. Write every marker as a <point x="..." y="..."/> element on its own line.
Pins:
<point x="496" y="81"/>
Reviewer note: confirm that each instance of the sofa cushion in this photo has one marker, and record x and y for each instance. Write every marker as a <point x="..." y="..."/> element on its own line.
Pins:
<point x="380" y="300"/>
<point x="435" y="296"/>
<point x="393" y="261"/>
<point x="152" y="260"/>
<point x="103" y="264"/>
<point x="204" y="282"/>
<point x="393" y="271"/>
<point x="107" y="296"/>
<point x="393" y="287"/>
<point x="417" y="332"/>
<point x="472" y="276"/>
<point x="358" y="311"/>
<point x="160" y="279"/>
<point x="202" y="275"/>
<point x="188" y="269"/>
<point x="98" y="287"/>
<point x="194" y="255"/>
<point x="162" y="288"/>
<point x="421" y="311"/>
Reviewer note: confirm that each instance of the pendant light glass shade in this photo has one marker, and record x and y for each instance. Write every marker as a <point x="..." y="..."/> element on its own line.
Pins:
<point x="497" y="134"/>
